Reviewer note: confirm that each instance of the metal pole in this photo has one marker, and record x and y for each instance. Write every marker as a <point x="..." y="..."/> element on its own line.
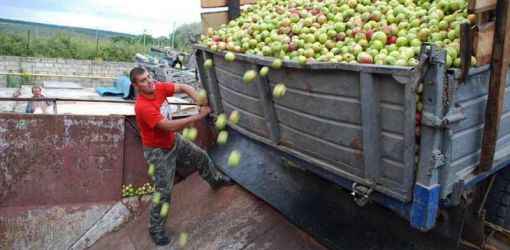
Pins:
<point x="18" y="99"/>
<point x="173" y="37"/>
<point x="97" y="40"/>
<point x="144" y="37"/>
<point x="28" y="40"/>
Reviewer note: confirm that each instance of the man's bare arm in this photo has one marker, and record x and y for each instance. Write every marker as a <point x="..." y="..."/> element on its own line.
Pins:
<point x="175" y="125"/>
<point x="183" y="88"/>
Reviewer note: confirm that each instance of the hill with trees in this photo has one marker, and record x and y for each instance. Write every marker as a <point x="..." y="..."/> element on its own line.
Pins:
<point x="20" y="38"/>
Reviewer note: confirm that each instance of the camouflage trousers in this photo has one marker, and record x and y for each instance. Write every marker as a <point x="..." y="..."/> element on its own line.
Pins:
<point x="183" y="153"/>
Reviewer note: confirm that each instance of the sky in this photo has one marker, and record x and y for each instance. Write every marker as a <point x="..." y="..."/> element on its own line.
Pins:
<point x="157" y="17"/>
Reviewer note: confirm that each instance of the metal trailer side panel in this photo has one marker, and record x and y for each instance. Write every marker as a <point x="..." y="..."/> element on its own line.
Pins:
<point x="352" y="121"/>
<point x="464" y="140"/>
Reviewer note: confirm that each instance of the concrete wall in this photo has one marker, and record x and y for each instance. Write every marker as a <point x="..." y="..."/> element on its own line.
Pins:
<point x="61" y="67"/>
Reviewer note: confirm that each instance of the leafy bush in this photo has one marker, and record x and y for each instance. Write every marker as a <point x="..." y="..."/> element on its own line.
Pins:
<point x="65" y="45"/>
<point x="71" y="45"/>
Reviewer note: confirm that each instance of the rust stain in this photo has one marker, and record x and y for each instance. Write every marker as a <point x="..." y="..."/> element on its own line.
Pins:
<point x="286" y="143"/>
<point x="59" y="159"/>
<point x="357" y="150"/>
<point x="309" y="87"/>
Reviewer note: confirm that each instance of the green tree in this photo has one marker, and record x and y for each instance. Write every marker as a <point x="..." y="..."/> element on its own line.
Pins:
<point x="13" y="45"/>
<point x="182" y="34"/>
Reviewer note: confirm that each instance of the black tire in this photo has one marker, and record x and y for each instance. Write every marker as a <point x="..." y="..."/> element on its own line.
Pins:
<point x="498" y="202"/>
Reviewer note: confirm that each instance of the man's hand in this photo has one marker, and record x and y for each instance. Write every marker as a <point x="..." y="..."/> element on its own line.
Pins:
<point x="203" y="111"/>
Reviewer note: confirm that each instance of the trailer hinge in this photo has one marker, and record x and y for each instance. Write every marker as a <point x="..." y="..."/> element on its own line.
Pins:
<point x="453" y="117"/>
<point x="361" y="194"/>
<point x="437" y="158"/>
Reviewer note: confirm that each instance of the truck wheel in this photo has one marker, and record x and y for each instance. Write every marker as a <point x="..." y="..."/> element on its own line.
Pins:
<point x="498" y="202"/>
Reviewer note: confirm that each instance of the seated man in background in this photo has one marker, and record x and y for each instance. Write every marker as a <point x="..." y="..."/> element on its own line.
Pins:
<point x="38" y="106"/>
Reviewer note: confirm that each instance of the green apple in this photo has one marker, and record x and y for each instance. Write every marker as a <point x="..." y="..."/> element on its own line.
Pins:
<point x="183" y="240"/>
<point x="208" y="63"/>
<point x="152" y="169"/>
<point x="164" y="210"/>
<point x="221" y="121"/>
<point x="222" y="137"/>
<point x="419" y="88"/>
<point x="234" y="117"/>
<point x="264" y="71"/>
<point x="234" y="158"/>
<point x="419" y="107"/>
<point x="192" y="134"/>
<point x="202" y="95"/>
<point x="279" y="90"/>
<point x="156" y="197"/>
<point x="277" y="63"/>
<point x="230" y="56"/>
<point x="185" y="132"/>
<point x="249" y="76"/>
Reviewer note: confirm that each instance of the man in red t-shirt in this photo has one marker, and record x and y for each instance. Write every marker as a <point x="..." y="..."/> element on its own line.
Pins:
<point x="164" y="148"/>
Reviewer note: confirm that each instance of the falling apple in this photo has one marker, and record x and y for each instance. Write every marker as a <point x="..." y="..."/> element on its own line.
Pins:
<point x="279" y="90"/>
<point x="264" y="71"/>
<point x="222" y="137"/>
<point x="164" y="210"/>
<point x="234" y="158"/>
<point x="192" y="134"/>
<point x="156" y="197"/>
<point x="202" y="96"/>
<point x="249" y="76"/>
<point x="221" y="121"/>
<point x="152" y="169"/>
<point x="183" y="240"/>
<point x="208" y="63"/>
<point x="234" y="117"/>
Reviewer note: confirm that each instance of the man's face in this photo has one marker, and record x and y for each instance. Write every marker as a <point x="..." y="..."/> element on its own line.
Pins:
<point x="144" y="83"/>
<point x="36" y="92"/>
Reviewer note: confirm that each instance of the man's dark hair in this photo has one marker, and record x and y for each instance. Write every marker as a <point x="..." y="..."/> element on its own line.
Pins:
<point x="136" y="72"/>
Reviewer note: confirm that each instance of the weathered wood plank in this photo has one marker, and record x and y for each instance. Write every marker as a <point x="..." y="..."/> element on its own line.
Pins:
<point x="483" y="38"/>
<point x="223" y="3"/>
<point x="213" y="20"/>
<point x="466" y="49"/>
<point x="500" y="60"/>
<point x="477" y="6"/>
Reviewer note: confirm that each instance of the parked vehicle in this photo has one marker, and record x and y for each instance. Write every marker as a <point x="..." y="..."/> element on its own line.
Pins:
<point x="359" y="127"/>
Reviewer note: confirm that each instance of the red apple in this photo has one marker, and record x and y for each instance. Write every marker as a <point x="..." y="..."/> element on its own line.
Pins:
<point x="392" y="40"/>
<point x="369" y="34"/>
<point x="365" y="58"/>
<point x="386" y="29"/>
<point x="340" y="37"/>
<point x="356" y="31"/>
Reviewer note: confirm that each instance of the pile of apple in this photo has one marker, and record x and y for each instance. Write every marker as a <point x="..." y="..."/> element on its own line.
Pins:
<point x="129" y="190"/>
<point x="384" y="32"/>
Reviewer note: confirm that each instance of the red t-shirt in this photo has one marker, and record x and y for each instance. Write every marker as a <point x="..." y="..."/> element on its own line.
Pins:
<point x="150" y="112"/>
